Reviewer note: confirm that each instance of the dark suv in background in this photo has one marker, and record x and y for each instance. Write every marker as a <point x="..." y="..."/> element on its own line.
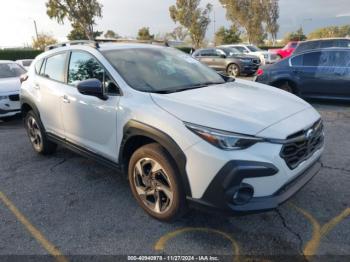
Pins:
<point x="229" y="60"/>
<point x="321" y="73"/>
<point x="321" y="43"/>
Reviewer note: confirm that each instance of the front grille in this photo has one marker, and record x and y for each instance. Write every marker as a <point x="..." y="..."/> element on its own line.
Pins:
<point x="14" y="97"/>
<point x="301" y="145"/>
<point x="256" y="61"/>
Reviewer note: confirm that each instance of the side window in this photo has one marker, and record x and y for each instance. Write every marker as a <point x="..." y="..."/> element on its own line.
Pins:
<point x="241" y="48"/>
<point x="335" y="59"/>
<point x="38" y="66"/>
<point x="206" y="52"/>
<point x="83" y="66"/>
<point x="297" y="60"/>
<point x="219" y="52"/>
<point x="55" y="67"/>
<point x="311" y="59"/>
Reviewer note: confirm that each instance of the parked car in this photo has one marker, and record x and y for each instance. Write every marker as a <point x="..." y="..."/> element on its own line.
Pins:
<point x="10" y="84"/>
<point x="321" y="43"/>
<point x="228" y="60"/>
<point x="286" y="51"/>
<point x="184" y="134"/>
<point x="322" y="73"/>
<point x="264" y="56"/>
<point x="25" y="63"/>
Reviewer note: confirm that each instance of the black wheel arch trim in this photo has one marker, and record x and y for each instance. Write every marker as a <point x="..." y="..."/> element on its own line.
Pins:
<point x="135" y="128"/>
<point x="26" y="101"/>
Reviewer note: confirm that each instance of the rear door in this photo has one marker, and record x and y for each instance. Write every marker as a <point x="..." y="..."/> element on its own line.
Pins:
<point x="50" y="84"/>
<point x="304" y="70"/>
<point x="207" y="56"/>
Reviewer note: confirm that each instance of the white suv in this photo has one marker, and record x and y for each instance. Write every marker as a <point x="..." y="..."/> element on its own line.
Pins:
<point x="265" y="56"/>
<point x="185" y="135"/>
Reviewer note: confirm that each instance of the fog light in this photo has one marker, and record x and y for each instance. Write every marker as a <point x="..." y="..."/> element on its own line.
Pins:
<point x="243" y="194"/>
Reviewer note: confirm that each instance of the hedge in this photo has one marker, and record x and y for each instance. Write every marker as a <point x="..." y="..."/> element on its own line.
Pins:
<point x="16" y="54"/>
<point x="266" y="47"/>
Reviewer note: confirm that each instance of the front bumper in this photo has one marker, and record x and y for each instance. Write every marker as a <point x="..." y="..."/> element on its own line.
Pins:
<point x="10" y="105"/>
<point x="219" y="195"/>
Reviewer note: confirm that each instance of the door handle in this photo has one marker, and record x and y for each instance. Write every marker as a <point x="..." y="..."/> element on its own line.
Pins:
<point x="36" y="86"/>
<point x="65" y="99"/>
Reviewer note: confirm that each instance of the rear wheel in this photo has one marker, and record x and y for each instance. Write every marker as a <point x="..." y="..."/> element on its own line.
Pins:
<point x="233" y="70"/>
<point x="154" y="183"/>
<point x="37" y="135"/>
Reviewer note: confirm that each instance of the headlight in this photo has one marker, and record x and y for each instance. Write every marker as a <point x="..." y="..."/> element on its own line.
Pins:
<point x="245" y="60"/>
<point x="3" y="97"/>
<point x="222" y="139"/>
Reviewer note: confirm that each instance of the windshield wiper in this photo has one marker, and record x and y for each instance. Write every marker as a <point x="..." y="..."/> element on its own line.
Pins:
<point x="186" y="88"/>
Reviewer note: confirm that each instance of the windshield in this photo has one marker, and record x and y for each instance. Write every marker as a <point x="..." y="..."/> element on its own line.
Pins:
<point x="253" y="48"/>
<point x="161" y="69"/>
<point x="11" y="70"/>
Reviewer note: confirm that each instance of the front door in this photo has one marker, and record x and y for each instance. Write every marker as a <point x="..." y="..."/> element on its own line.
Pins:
<point x="50" y="85"/>
<point x="89" y="121"/>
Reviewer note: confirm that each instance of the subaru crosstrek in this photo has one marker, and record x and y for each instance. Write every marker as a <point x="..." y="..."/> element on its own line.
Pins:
<point x="185" y="135"/>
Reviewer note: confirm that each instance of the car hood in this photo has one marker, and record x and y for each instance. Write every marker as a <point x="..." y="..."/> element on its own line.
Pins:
<point x="241" y="106"/>
<point x="9" y="85"/>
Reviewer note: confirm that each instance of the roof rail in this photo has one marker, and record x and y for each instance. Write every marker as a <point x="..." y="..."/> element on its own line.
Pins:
<point x="75" y="42"/>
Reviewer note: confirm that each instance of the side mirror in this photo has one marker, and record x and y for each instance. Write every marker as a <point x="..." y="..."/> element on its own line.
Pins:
<point x="92" y="87"/>
<point x="222" y="56"/>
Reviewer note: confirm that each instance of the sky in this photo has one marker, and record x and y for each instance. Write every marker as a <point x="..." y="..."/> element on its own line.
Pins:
<point x="126" y="16"/>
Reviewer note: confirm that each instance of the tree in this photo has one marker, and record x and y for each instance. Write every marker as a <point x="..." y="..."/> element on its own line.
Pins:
<point x="79" y="13"/>
<point x="111" y="34"/>
<point x="295" y="36"/>
<point x="249" y="15"/>
<point x="331" y="31"/>
<point x="193" y="18"/>
<point x="179" y="34"/>
<point x="78" y="33"/>
<point x="144" y="34"/>
<point x="271" y="15"/>
<point x="227" y="36"/>
<point x="43" y="41"/>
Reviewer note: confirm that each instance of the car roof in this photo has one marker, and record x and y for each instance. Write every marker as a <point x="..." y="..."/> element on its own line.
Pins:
<point x="325" y="39"/>
<point x="101" y="47"/>
<point x="322" y="49"/>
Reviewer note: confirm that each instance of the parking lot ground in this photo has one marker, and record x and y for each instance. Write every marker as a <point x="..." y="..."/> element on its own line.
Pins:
<point x="82" y="208"/>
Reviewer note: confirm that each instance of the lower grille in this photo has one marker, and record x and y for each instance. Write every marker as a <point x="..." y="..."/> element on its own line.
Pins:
<point x="14" y="97"/>
<point x="302" y="145"/>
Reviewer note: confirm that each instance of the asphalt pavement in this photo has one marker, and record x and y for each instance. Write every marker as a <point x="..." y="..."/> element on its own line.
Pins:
<point x="68" y="206"/>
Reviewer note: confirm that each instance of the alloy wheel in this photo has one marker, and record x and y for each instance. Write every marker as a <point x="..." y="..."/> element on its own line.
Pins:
<point x="153" y="185"/>
<point x="34" y="133"/>
<point x="233" y="70"/>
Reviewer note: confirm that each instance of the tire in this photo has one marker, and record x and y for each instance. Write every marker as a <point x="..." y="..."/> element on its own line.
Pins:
<point x="233" y="70"/>
<point x="154" y="183"/>
<point x="285" y="86"/>
<point x="37" y="135"/>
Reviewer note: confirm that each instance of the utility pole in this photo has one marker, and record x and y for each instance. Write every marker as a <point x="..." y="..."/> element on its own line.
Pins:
<point x="36" y="30"/>
<point x="214" y="25"/>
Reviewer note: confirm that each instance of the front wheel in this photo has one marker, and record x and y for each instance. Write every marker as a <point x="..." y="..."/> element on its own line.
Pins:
<point x="154" y="183"/>
<point x="37" y="135"/>
<point x="233" y="70"/>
